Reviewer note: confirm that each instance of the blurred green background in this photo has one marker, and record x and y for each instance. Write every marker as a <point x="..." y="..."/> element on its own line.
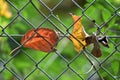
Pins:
<point x="30" y="64"/>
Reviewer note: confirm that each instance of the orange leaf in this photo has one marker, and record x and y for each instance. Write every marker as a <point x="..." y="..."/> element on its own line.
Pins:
<point x="78" y="34"/>
<point x="42" y="39"/>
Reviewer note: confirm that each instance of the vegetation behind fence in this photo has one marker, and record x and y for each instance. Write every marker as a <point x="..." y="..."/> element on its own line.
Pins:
<point x="17" y="17"/>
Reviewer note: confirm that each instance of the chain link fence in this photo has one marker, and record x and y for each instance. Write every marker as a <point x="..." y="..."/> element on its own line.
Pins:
<point x="65" y="63"/>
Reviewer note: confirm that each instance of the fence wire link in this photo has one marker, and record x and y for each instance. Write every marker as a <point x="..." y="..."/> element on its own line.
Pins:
<point x="6" y="65"/>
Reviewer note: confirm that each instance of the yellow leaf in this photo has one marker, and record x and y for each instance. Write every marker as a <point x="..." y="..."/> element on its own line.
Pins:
<point x="81" y="39"/>
<point x="78" y="34"/>
<point x="4" y="9"/>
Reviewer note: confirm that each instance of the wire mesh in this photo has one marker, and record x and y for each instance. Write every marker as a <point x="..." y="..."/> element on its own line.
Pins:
<point x="27" y="64"/>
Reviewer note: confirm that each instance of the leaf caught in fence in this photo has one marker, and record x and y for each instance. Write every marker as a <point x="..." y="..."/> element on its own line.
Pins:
<point x="96" y="49"/>
<point x="81" y="39"/>
<point x="78" y="34"/>
<point x="42" y="39"/>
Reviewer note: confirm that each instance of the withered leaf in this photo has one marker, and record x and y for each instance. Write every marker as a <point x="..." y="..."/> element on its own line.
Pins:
<point x="43" y="39"/>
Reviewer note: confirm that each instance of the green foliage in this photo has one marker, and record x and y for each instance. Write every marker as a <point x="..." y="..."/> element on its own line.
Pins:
<point x="52" y="64"/>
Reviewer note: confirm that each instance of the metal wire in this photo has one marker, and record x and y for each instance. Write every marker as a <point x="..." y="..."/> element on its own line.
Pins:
<point x="5" y="63"/>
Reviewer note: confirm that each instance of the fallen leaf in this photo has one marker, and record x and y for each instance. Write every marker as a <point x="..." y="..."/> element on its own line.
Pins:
<point x="42" y="39"/>
<point x="96" y="49"/>
<point x="78" y="34"/>
<point x="81" y="39"/>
